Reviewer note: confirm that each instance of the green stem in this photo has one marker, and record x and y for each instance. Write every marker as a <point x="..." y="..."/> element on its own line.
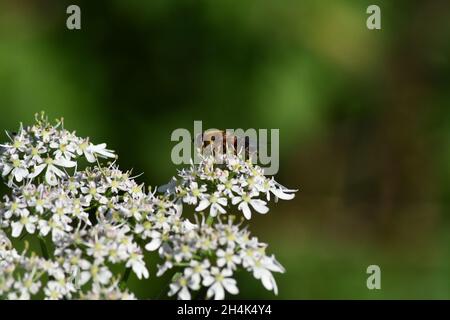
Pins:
<point x="23" y="236"/>
<point x="209" y="220"/>
<point x="43" y="248"/>
<point x="182" y="264"/>
<point x="126" y="275"/>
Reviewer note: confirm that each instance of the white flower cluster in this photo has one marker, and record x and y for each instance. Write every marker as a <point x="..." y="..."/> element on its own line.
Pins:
<point x="45" y="148"/>
<point x="21" y="277"/>
<point x="210" y="253"/>
<point x="90" y="222"/>
<point x="218" y="183"/>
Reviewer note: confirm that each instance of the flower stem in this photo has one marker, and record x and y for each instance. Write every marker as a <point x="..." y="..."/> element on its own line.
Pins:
<point x="23" y="236"/>
<point x="125" y="277"/>
<point x="209" y="220"/>
<point x="43" y="248"/>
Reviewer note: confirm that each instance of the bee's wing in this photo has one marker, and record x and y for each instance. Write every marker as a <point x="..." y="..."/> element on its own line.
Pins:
<point x="168" y="187"/>
<point x="198" y="141"/>
<point x="245" y="144"/>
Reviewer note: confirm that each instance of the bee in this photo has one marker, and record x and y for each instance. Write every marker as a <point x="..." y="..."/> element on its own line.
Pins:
<point x="221" y="141"/>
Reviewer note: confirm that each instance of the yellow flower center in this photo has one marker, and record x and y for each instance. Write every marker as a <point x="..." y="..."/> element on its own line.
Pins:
<point x="219" y="277"/>
<point x="17" y="144"/>
<point x="183" y="282"/>
<point x="24" y="220"/>
<point x="16" y="163"/>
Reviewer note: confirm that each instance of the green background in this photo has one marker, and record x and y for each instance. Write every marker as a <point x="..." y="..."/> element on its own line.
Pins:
<point x="364" y="118"/>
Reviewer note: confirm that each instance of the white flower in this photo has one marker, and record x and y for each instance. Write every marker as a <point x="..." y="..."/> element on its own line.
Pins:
<point x="19" y="142"/>
<point x="227" y="186"/>
<point x="198" y="270"/>
<point x="27" y="221"/>
<point x="227" y="258"/>
<point x="161" y="221"/>
<point x="245" y="199"/>
<point x="15" y="207"/>
<point x="250" y="252"/>
<point x="218" y="282"/>
<point x="31" y="284"/>
<point x="284" y="194"/>
<point x="97" y="249"/>
<point x="98" y="273"/>
<point x="216" y="202"/>
<point x="80" y="214"/>
<point x="280" y="191"/>
<point x="94" y="191"/>
<point x="164" y="267"/>
<point x="52" y="170"/>
<point x="235" y="164"/>
<point x="100" y="219"/>
<point x="136" y="262"/>
<point x="16" y="167"/>
<point x="44" y="227"/>
<point x="91" y="151"/>
<point x="182" y="285"/>
<point x="144" y="230"/>
<point x="261" y="270"/>
<point x="53" y="291"/>
<point x="156" y="241"/>
<point x="35" y="152"/>
<point x="184" y="252"/>
<point x="117" y="253"/>
<point x="194" y="192"/>
<point x="64" y="148"/>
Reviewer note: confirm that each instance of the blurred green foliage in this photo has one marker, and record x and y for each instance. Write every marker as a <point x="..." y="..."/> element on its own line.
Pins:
<point x="364" y="117"/>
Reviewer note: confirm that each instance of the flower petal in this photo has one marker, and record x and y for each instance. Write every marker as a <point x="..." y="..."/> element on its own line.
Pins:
<point x="16" y="229"/>
<point x="202" y="205"/>
<point x="63" y="162"/>
<point x="184" y="294"/>
<point x="153" y="245"/>
<point x="230" y="286"/>
<point x="279" y="193"/>
<point x="50" y="177"/>
<point x="245" y="210"/>
<point x="37" y="170"/>
<point x="259" y="205"/>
